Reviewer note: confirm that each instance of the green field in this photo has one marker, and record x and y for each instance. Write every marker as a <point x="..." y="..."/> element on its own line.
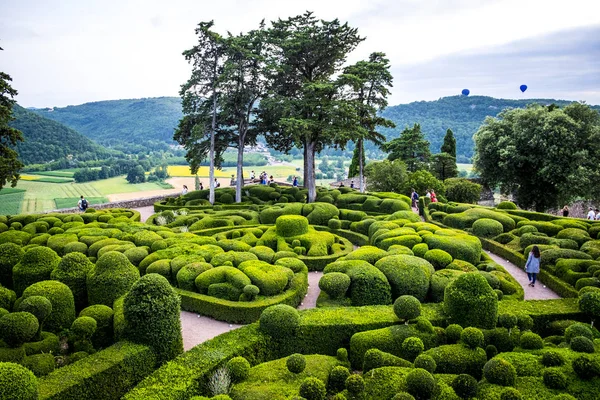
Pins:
<point x="69" y="202"/>
<point x="10" y="200"/>
<point x="60" y="174"/>
<point x="465" y="167"/>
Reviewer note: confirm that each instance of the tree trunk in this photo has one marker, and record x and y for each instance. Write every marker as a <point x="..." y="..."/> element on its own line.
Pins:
<point x="361" y="172"/>
<point x="309" y="162"/>
<point x="305" y="172"/>
<point x="211" y="168"/>
<point x="240" y="169"/>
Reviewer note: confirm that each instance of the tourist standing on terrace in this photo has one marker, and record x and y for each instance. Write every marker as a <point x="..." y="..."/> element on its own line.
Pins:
<point x="532" y="267"/>
<point x="565" y="211"/>
<point x="591" y="214"/>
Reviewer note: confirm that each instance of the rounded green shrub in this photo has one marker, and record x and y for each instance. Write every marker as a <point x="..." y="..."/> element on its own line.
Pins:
<point x="186" y="277"/>
<point x="470" y="301"/>
<point x="487" y="228"/>
<point x="84" y="327"/>
<point x="420" y="383"/>
<point x="506" y="205"/>
<point x="335" y="284"/>
<point x="420" y="249"/>
<point x="582" y="344"/>
<point x="407" y="307"/>
<point x="465" y="386"/>
<point x="510" y="393"/>
<point x="63" y="303"/>
<point x="239" y="369"/>
<point x="355" y="384"/>
<point x="39" y="306"/>
<point x="531" y="341"/>
<point x="589" y="303"/>
<point x="507" y="320"/>
<point x="554" y="378"/>
<point x="17" y="382"/>
<point x="407" y="275"/>
<point x="342" y="354"/>
<point x="291" y="225"/>
<point x="313" y="389"/>
<point x="491" y="351"/>
<point x="472" y="337"/>
<point x="403" y="396"/>
<point x="578" y="329"/>
<point x="112" y="276"/>
<point x="453" y="333"/>
<point x="563" y="396"/>
<point x="296" y="363"/>
<point x="136" y="255"/>
<point x="586" y="367"/>
<point x="35" y="266"/>
<point x="72" y="270"/>
<point x="279" y="321"/>
<point x="104" y="316"/>
<point x="334" y="224"/>
<point x="10" y="255"/>
<point x="500" y="372"/>
<point x="438" y="258"/>
<point x="151" y="311"/>
<point x="552" y="359"/>
<point x="426" y="362"/>
<point x="75" y="247"/>
<point x="18" y="327"/>
<point x="39" y="364"/>
<point x="337" y="378"/>
<point x="411" y="348"/>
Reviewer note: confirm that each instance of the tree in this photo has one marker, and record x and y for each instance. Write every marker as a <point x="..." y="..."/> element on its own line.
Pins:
<point x="411" y="147"/>
<point x="199" y="95"/>
<point x="449" y="145"/>
<point x="303" y="107"/>
<point x="10" y="165"/>
<point x="367" y="87"/>
<point x="136" y="175"/>
<point x="421" y="181"/>
<point x="545" y="156"/>
<point x="354" y="168"/>
<point x="462" y="190"/>
<point x="386" y="176"/>
<point x="443" y="166"/>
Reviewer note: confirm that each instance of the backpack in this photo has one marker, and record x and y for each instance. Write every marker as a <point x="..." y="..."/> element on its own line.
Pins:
<point x="84" y="204"/>
<point x="416" y="196"/>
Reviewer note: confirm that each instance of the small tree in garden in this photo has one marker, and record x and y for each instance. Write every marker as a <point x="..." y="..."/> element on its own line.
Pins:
<point x="407" y="307"/>
<point x="589" y="303"/>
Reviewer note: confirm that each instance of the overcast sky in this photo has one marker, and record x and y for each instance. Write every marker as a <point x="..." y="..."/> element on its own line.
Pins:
<point x="71" y="51"/>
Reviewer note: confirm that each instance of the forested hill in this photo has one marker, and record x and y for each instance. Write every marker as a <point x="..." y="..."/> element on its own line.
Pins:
<point x="143" y="121"/>
<point x="463" y="114"/>
<point x="112" y="122"/>
<point x="47" y="140"/>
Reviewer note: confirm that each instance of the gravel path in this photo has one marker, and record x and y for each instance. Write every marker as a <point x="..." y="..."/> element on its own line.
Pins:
<point x="539" y="292"/>
<point x="145" y="212"/>
<point x="310" y="300"/>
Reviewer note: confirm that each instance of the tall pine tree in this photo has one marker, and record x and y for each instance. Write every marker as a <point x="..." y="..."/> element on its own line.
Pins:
<point x="449" y="145"/>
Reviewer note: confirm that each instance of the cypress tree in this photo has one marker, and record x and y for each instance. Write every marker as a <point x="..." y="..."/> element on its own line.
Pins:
<point x="449" y="145"/>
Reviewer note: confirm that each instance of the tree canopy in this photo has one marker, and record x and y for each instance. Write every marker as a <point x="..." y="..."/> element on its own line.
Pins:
<point x="9" y="136"/>
<point x="544" y="155"/>
<point x="449" y="145"/>
<point x="411" y="147"/>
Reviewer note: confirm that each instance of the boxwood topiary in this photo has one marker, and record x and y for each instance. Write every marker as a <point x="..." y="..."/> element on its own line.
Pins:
<point x="438" y="258"/>
<point x="63" y="304"/>
<point x="296" y="363"/>
<point x="582" y="344"/>
<point x="510" y="393"/>
<point x="335" y="284"/>
<point x="531" y="341"/>
<point x="491" y="351"/>
<point x="186" y="277"/>
<point x="17" y="382"/>
<point x="472" y="337"/>
<point x="420" y="383"/>
<point x="40" y="307"/>
<point x="39" y="364"/>
<point x="453" y="333"/>
<point x="279" y="321"/>
<point x="84" y="327"/>
<point x="487" y="228"/>
<point x="18" y="327"/>
<point x="337" y="378"/>
<point x="506" y="205"/>
<point x="426" y="362"/>
<point x="465" y="386"/>
<point x="151" y="311"/>
<point x="103" y="315"/>
<point x="355" y="385"/>
<point x="500" y="372"/>
<point x="291" y="225"/>
<point x="239" y="369"/>
<point x="10" y="255"/>
<point x="578" y="329"/>
<point x="7" y="298"/>
<point x="35" y="266"/>
<point x="112" y="276"/>
<point x="552" y="358"/>
<point x="313" y="388"/>
<point x="72" y="270"/>
<point x="554" y="378"/>
<point x="407" y="307"/>
<point x="470" y="301"/>
<point x="586" y="367"/>
<point x="407" y="275"/>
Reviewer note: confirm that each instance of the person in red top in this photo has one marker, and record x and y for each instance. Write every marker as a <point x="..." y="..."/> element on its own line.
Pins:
<point x="433" y="198"/>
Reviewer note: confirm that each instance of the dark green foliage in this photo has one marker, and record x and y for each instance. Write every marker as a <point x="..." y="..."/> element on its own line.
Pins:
<point x="531" y="341"/>
<point x="151" y="310"/>
<point x="507" y="320"/>
<point x="296" y="363"/>
<point x="500" y="372"/>
<point x="279" y="321"/>
<point x="39" y="364"/>
<point x="112" y="276"/>
<point x="84" y="327"/>
<point x="313" y="389"/>
<point x="426" y="362"/>
<point x="403" y="396"/>
<point x="465" y="386"/>
<point x="7" y="298"/>
<point x="582" y="344"/>
<point x="72" y="270"/>
<point x="39" y="306"/>
<point x="337" y="378"/>
<point x="458" y="359"/>
<point x="407" y="307"/>
<point x="470" y="301"/>
<point x="420" y="383"/>
<point x="472" y="337"/>
<point x="453" y="333"/>
<point x="578" y="329"/>
<point x="375" y="358"/>
<point x="589" y="303"/>
<point x="411" y="147"/>
<point x="510" y="393"/>
<point x="552" y="359"/>
<point x="238" y="368"/>
<point x="63" y="304"/>
<point x="103" y="315"/>
<point x="586" y="367"/>
<point x="368" y="284"/>
<point x="36" y="265"/>
<point x="407" y="275"/>
<point x="17" y="382"/>
<point x="487" y="228"/>
<point x="554" y="378"/>
<point x="10" y="255"/>
<point x="411" y="348"/>
<point x="462" y="190"/>
<point x="491" y="351"/>
<point x="506" y="205"/>
<point x="18" y="327"/>
<point x="355" y="384"/>
<point x="438" y="258"/>
<point x="335" y="284"/>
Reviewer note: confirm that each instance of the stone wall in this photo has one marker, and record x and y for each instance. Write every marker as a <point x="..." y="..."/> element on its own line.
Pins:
<point x="135" y="203"/>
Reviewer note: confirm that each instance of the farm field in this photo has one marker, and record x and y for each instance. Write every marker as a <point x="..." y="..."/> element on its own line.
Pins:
<point x="464" y="167"/>
<point x="60" y="174"/>
<point x="69" y="202"/>
<point x="10" y="200"/>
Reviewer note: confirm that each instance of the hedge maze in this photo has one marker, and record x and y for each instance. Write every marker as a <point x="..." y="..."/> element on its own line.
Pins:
<point x="408" y="309"/>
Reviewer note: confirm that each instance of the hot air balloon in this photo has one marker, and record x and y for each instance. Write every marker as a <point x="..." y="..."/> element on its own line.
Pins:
<point x="523" y="88"/>
<point x="465" y="92"/>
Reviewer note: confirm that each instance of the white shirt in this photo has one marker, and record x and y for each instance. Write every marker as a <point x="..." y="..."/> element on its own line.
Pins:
<point x="591" y="215"/>
<point x="429" y="195"/>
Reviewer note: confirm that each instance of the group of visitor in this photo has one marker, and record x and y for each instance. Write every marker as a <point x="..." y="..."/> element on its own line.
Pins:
<point x="263" y="178"/>
<point x="414" y="197"/>
<point x="593" y="215"/>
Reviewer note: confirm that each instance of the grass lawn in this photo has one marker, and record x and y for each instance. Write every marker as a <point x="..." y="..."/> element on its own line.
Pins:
<point x="69" y="202"/>
<point x="60" y="174"/>
<point x="10" y="200"/>
<point x="465" y="167"/>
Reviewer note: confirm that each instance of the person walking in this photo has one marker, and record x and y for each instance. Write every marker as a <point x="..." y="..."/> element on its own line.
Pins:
<point x="565" y="211"/>
<point x="414" y="196"/>
<point x="433" y="197"/>
<point x="295" y="182"/>
<point x="82" y="204"/>
<point x="185" y="189"/>
<point x="597" y="215"/>
<point x="591" y="214"/>
<point x="532" y="267"/>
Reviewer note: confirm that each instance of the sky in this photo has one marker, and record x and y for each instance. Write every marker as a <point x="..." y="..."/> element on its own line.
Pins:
<point x="71" y="52"/>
